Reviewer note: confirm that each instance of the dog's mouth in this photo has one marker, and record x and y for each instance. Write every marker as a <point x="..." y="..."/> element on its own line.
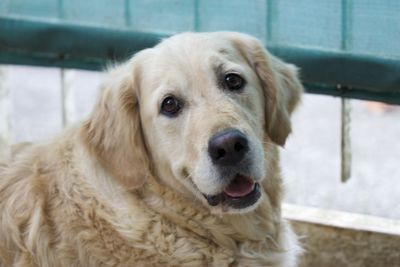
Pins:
<point x="241" y="192"/>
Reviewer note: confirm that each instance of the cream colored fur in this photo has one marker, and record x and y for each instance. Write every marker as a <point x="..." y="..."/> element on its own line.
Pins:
<point x="124" y="188"/>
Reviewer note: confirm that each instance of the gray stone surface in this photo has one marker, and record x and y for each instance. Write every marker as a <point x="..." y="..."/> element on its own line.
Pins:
<point x="311" y="158"/>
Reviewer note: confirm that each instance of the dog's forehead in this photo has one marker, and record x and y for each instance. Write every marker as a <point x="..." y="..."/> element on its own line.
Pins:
<point x="196" y="48"/>
<point x="198" y="41"/>
<point x="189" y="55"/>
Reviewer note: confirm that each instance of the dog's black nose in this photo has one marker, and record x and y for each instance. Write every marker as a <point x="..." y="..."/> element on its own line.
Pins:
<point x="228" y="147"/>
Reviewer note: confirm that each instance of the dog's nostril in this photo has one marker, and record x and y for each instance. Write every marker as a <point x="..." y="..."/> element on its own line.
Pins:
<point x="238" y="147"/>
<point x="220" y="153"/>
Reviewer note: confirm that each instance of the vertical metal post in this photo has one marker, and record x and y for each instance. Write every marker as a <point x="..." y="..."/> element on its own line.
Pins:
<point x="345" y="143"/>
<point x="127" y="13"/>
<point x="346" y="23"/>
<point x="67" y="98"/>
<point x="346" y="107"/>
<point x="5" y="107"/>
<point x="67" y="101"/>
<point x="196" y="17"/>
<point x="272" y="19"/>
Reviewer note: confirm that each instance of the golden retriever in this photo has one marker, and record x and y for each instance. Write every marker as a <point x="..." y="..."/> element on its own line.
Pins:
<point x="178" y="165"/>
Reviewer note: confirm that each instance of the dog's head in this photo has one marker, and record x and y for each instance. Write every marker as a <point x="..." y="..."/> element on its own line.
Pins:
<point x="200" y="111"/>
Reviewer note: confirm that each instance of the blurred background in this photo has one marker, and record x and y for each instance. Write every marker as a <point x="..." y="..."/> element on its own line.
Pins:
<point x="310" y="160"/>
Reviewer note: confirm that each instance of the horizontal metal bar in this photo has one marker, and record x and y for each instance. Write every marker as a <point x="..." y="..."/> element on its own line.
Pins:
<point x="369" y="72"/>
<point x="356" y="93"/>
<point x="52" y="43"/>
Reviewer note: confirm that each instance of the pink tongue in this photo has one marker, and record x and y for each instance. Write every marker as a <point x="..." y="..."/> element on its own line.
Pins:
<point x="239" y="187"/>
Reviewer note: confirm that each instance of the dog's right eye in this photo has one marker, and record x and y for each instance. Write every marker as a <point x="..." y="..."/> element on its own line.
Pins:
<point x="170" y="106"/>
<point x="234" y="82"/>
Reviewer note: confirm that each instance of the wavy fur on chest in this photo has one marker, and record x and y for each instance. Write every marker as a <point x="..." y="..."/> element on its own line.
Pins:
<point x="54" y="215"/>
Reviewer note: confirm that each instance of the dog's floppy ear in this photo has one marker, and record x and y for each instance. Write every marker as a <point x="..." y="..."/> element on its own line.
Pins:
<point x="280" y="83"/>
<point x="113" y="131"/>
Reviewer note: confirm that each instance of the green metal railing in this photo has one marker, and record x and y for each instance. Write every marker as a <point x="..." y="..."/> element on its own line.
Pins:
<point x="347" y="48"/>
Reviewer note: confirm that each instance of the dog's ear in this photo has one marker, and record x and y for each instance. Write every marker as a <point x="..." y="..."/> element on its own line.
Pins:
<point x="280" y="83"/>
<point x="113" y="132"/>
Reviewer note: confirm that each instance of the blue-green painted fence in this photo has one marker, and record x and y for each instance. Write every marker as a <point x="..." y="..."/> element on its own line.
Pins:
<point x="351" y="43"/>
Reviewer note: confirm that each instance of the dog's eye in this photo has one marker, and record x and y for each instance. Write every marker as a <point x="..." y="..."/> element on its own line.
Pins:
<point x="234" y="81"/>
<point x="170" y="106"/>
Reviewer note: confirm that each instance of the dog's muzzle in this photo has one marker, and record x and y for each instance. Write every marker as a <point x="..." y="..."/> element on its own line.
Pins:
<point x="228" y="151"/>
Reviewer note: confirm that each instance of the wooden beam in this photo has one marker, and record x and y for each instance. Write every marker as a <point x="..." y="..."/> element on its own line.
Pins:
<point x="333" y="238"/>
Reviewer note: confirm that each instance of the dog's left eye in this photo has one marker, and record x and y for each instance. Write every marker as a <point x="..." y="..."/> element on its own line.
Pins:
<point x="170" y="106"/>
<point x="234" y="81"/>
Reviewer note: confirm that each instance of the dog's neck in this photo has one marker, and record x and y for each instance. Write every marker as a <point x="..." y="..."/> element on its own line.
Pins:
<point x="228" y="230"/>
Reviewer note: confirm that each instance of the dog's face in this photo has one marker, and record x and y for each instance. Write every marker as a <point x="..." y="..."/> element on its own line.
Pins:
<point x="209" y="106"/>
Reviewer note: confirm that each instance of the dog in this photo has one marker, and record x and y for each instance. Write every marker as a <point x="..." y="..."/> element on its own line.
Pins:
<point x="177" y="165"/>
